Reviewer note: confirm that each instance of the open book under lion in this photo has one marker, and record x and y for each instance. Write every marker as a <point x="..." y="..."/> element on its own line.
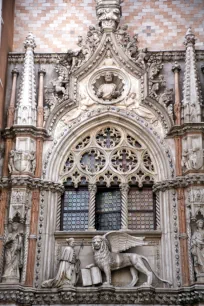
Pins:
<point x="91" y="276"/>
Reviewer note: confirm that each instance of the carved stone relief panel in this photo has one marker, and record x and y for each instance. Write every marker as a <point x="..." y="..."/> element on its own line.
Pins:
<point x="23" y="157"/>
<point x="192" y="153"/>
<point x="19" y="204"/>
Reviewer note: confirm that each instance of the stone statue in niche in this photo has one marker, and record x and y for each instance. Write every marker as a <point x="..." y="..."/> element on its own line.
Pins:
<point x="131" y="102"/>
<point x="197" y="247"/>
<point x="107" y="256"/>
<point x="108" y="90"/>
<point x="13" y="255"/>
<point x="68" y="268"/>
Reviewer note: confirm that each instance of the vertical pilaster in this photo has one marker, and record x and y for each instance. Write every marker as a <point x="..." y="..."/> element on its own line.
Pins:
<point x="40" y="98"/>
<point x="8" y="148"/>
<point x="32" y="238"/>
<point x="124" y="206"/>
<point x="11" y="109"/>
<point x="177" y="106"/>
<point x="92" y="202"/>
<point x="183" y="236"/>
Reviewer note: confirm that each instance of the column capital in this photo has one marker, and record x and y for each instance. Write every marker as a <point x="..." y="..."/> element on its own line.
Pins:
<point x="92" y="188"/>
<point x="42" y="71"/>
<point x="124" y="187"/>
<point x="176" y="67"/>
<point x="15" y="71"/>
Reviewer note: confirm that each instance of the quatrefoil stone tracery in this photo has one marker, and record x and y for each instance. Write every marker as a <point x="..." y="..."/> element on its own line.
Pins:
<point x="108" y="137"/>
<point x="111" y="150"/>
<point x="124" y="160"/>
<point x="92" y="161"/>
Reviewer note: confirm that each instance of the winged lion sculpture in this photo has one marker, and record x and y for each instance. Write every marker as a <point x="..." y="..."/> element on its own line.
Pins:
<point x="107" y="256"/>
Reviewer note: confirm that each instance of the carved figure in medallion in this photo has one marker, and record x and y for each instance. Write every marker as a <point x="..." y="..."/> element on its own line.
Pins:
<point x="197" y="247"/>
<point x="107" y="256"/>
<point x="13" y="254"/>
<point x="108" y="90"/>
<point x="68" y="272"/>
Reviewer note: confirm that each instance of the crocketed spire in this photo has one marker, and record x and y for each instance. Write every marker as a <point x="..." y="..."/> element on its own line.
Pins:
<point x="191" y="88"/>
<point x="26" y="104"/>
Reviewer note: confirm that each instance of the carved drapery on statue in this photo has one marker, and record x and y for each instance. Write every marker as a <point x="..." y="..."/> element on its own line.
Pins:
<point x="197" y="247"/>
<point x="14" y="253"/>
<point x="68" y="268"/>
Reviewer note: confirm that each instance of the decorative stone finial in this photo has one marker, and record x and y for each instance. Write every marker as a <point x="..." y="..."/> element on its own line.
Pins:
<point x="189" y="38"/>
<point x="108" y="13"/>
<point x="30" y="41"/>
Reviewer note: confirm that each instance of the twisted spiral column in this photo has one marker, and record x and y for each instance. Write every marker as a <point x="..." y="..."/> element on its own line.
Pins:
<point x="124" y="206"/>
<point x="92" y="200"/>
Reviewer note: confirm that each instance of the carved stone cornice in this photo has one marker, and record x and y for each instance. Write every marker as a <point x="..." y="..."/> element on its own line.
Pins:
<point x="180" y="130"/>
<point x="101" y="295"/>
<point x="52" y="58"/>
<point x="30" y="182"/>
<point x="25" y="130"/>
<point x="181" y="181"/>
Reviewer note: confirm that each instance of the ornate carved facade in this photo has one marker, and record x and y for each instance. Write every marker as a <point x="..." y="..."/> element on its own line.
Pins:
<point x="103" y="154"/>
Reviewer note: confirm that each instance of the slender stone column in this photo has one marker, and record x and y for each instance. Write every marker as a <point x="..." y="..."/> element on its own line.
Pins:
<point x="3" y="207"/>
<point x="178" y="148"/>
<point x="32" y="238"/>
<point x="124" y="206"/>
<point x="11" y="109"/>
<point x="39" y="151"/>
<point x="177" y="106"/>
<point x="183" y="237"/>
<point x="40" y="98"/>
<point x="8" y="148"/>
<point x="92" y="210"/>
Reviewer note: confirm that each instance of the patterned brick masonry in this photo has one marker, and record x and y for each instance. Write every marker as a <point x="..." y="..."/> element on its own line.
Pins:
<point x="56" y="24"/>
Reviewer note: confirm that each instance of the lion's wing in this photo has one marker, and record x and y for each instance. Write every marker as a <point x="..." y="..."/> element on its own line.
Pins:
<point x="121" y="241"/>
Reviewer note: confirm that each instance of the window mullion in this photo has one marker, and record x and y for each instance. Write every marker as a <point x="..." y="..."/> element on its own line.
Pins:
<point x="92" y="203"/>
<point x="124" y="188"/>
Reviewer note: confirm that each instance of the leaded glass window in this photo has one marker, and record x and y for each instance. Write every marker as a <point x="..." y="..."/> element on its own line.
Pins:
<point x="108" y="209"/>
<point x="75" y="209"/>
<point x="141" y="208"/>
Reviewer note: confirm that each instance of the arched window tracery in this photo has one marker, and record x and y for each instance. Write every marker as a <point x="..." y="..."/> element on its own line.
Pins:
<point x="120" y="168"/>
